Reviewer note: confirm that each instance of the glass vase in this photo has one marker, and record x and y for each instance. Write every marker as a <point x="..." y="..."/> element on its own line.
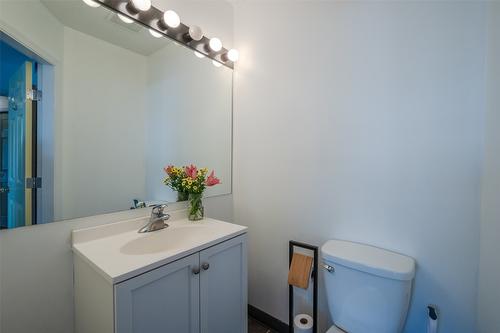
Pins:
<point x="195" y="207"/>
<point x="182" y="196"/>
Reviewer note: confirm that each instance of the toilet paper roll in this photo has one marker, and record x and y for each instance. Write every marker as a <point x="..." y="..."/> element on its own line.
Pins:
<point x="303" y="323"/>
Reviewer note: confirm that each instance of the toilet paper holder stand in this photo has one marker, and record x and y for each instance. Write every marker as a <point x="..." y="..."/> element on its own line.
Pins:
<point x="314" y="274"/>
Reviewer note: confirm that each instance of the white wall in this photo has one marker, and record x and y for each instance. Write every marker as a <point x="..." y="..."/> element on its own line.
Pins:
<point x="103" y="125"/>
<point x="39" y="28"/>
<point x="37" y="276"/>
<point x="188" y="118"/>
<point x="489" y="273"/>
<point x="44" y="35"/>
<point x="364" y="123"/>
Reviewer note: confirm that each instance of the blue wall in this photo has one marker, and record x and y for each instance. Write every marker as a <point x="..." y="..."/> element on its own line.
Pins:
<point x="10" y="61"/>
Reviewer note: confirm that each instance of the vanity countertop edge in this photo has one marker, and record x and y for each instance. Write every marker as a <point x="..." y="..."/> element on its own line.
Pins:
<point x="89" y="244"/>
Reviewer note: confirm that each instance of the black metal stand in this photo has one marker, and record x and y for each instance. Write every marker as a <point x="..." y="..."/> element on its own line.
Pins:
<point x="291" y="246"/>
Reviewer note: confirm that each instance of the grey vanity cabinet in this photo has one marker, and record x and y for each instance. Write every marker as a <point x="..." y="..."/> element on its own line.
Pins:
<point x="163" y="300"/>
<point x="205" y="292"/>
<point x="223" y="287"/>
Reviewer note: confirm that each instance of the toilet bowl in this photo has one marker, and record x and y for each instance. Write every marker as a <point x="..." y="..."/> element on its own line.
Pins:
<point x="368" y="288"/>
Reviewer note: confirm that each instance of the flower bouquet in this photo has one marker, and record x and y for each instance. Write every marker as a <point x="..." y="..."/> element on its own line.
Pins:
<point x="191" y="182"/>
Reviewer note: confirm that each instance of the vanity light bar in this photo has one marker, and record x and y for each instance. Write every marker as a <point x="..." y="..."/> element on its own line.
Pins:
<point x="168" y="24"/>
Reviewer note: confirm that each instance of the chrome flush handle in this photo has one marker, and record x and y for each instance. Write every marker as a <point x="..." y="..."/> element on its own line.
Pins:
<point x="329" y="268"/>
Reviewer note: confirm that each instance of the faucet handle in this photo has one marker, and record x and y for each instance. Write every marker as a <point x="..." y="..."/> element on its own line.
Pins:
<point x="158" y="210"/>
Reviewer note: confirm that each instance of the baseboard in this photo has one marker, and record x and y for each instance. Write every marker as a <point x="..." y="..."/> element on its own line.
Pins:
<point x="267" y="319"/>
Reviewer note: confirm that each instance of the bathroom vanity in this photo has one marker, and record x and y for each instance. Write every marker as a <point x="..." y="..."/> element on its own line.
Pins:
<point x="190" y="277"/>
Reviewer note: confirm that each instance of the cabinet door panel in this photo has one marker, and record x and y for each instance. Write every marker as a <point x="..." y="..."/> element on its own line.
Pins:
<point x="223" y="287"/>
<point x="165" y="300"/>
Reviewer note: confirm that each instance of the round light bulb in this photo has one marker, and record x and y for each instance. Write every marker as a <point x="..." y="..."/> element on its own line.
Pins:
<point x="171" y="19"/>
<point x="216" y="63"/>
<point x="215" y="44"/>
<point x="142" y="5"/>
<point x="199" y="55"/>
<point x="155" y="33"/>
<point x="92" y="3"/>
<point x="195" y="32"/>
<point x="125" y="18"/>
<point x="233" y="55"/>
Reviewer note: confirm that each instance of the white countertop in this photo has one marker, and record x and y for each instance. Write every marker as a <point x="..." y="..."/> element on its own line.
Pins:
<point x="118" y="252"/>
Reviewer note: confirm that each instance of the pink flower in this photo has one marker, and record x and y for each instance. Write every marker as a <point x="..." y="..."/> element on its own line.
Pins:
<point x="191" y="171"/>
<point x="212" y="180"/>
<point x="168" y="169"/>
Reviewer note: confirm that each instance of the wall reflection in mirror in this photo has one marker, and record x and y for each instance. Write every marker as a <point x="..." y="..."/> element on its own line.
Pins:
<point x="89" y="119"/>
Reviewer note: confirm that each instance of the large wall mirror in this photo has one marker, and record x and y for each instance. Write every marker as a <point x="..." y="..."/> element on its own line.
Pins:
<point x="117" y="104"/>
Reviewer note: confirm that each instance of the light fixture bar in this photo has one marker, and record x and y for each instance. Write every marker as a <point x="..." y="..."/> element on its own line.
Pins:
<point x="153" y="19"/>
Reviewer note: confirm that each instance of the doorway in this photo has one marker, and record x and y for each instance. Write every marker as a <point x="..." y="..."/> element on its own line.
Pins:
<point x="19" y="97"/>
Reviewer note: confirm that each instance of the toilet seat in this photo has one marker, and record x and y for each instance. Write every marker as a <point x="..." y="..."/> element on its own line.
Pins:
<point x="335" y="329"/>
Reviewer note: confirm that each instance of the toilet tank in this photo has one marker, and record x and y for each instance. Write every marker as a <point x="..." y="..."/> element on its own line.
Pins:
<point x="369" y="288"/>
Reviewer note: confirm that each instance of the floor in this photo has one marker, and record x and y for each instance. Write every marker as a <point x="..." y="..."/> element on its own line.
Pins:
<point x="255" y="326"/>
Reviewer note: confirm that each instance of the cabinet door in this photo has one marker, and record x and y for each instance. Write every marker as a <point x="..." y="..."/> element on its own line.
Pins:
<point x="164" y="300"/>
<point x="223" y="287"/>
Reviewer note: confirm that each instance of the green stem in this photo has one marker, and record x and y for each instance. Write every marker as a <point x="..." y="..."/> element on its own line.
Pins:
<point x="195" y="207"/>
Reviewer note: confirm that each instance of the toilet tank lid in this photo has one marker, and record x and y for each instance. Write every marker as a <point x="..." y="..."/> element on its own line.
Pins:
<point x="369" y="259"/>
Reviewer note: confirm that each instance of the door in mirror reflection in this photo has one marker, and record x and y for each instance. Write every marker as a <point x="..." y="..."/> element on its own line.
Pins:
<point x="20" y="115"/>
<point x="26" y="150"/>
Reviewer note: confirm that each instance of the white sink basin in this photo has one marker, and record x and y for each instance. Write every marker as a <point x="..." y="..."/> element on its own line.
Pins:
<point x="168" y="239"/>
<point x="118" y="252"/>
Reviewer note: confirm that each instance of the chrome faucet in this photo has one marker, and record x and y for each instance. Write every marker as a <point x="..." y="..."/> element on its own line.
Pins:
<point x="157" y="221"/>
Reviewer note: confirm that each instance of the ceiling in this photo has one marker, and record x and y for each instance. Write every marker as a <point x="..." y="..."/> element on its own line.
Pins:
<point x="105" y="25"/>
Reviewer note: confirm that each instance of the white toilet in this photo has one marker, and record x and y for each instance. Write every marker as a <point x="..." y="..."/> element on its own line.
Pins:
<point x="368" y="288"/>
